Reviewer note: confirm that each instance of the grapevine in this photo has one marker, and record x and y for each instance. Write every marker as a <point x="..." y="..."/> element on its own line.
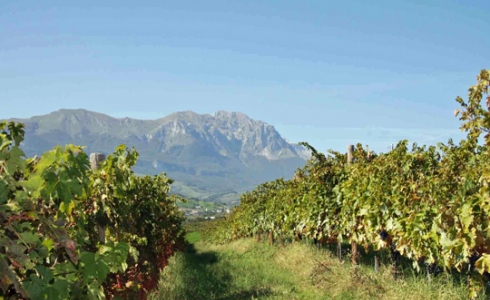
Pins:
<point x="52" y="208"/>
<point x="427" y="204"/>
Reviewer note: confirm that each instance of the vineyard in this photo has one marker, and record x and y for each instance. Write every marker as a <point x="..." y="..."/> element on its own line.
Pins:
<point x="430" y="205"/>
<point x="72" y="230"/>
<point x="69" y="231"/>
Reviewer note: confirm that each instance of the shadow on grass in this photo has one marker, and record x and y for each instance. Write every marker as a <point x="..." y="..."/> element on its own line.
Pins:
<point x="202" y="275"/>
<point x="250" y="294"/>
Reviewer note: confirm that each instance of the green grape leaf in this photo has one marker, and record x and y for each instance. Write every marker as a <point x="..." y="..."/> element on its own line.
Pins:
<point x="483" y="264"/>
<point x="29" y="237"/>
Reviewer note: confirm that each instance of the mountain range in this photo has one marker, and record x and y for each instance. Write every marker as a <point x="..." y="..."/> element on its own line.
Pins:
<point x="212" y="157"/>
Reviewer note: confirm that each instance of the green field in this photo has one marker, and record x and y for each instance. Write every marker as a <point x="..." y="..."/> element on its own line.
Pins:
<point x="202" y="203"/>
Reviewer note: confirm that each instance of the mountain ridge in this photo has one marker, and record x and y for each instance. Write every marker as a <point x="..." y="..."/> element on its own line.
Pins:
<point x="225" y="151"/>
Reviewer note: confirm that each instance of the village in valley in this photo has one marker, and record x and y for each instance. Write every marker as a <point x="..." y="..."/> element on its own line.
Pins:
<point x="194" y="209"/>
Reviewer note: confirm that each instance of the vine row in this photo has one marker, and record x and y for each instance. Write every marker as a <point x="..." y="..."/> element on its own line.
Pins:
<point x="71" y="232"/>
<point x="428" y="204"/>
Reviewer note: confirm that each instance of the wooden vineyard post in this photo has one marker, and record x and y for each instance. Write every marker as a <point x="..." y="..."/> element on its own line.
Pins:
<point x="339" y="250"/>
<point x="395" y="267"/>
<point x="95" y="160"/>
<point x="281" y="242"/>
<point x="376" y="263"/>
<point x="395" y="256"/>
<point x="350" y="158"/>
<point x="297" y="236"/>
<point x="271" y="237"/>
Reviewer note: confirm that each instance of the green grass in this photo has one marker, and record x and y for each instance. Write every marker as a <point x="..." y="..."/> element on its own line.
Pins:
<point x="246" y="269"/>
<point x="204" y="204"/>
<point x="194" y="193"/>
<point x="241" y="272"/>
<point x="193" y="237"/>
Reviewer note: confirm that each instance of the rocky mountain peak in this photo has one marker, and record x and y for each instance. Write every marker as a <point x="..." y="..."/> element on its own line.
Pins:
<point x="226" y="150"/>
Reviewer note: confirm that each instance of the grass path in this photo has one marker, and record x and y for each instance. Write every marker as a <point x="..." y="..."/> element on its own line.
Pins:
<point x="248" y="270"/>
<point x="242" y="270"/>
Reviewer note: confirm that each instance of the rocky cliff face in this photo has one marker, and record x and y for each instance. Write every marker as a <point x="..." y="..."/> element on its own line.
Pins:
<point x="226" y="151"/>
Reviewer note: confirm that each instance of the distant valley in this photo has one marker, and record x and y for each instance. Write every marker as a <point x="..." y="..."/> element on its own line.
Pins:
<point x="211" y="157"/>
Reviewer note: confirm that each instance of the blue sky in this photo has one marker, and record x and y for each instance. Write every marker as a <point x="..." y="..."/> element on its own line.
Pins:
<point x="327" y="72"/>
